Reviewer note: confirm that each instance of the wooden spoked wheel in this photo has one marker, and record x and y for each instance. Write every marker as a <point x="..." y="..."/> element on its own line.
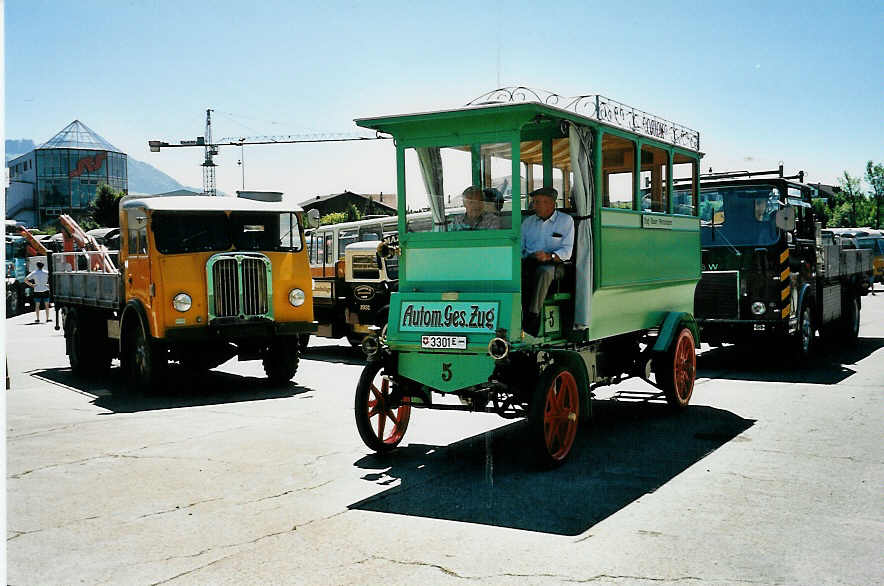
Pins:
<point x="677" y="370"/>
<point x="553" y="417"/>
<point x="381" y="423"/>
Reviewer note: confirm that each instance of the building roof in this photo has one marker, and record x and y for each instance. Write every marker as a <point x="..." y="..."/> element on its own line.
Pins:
<point x="386" y="200"/>
<point x="77" y="135"/>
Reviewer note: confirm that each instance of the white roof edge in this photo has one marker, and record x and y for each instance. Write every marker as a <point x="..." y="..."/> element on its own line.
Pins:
<point x="207" y="203"/>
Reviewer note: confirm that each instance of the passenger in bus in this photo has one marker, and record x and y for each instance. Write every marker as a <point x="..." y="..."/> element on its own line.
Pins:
<point x="482" y="208"/>
<point x="547" y="241"/>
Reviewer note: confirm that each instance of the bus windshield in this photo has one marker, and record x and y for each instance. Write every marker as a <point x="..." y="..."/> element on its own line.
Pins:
<point x="739" y="215"/>
<point x="461" y="187"/>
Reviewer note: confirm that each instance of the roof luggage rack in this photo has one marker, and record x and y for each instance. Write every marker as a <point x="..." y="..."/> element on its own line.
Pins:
<point x="599" y="108"/>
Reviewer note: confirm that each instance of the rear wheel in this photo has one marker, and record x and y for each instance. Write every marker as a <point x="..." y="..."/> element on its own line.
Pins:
<point x="303" y="341"/>
<point x="380" y="422"/>
<point x="13" y="301"/>
<point x="676" y="370"/>
<point x="850" y="320"/>
<point x="355" y="340"/>
<point x="88" y="347"/>
<point x="553" y="417"/>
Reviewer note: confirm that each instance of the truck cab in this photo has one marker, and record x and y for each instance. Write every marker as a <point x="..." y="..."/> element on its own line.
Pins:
<point x="767" y="273"/>
<point x="200" y="279"/>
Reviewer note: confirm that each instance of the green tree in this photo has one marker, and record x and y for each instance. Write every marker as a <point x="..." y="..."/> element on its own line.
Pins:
<point x="333" y="218"/>
<point x="875" y="178"/>
<point x="353" y="213"/>
<point x="853" y="197"/>
<point x="104" y="210"/>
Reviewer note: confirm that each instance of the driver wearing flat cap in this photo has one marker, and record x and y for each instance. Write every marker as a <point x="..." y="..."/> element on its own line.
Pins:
<point x="547" y="241"/>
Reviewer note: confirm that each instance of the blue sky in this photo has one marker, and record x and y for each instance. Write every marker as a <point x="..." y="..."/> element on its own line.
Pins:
<point x="797" y="82"/>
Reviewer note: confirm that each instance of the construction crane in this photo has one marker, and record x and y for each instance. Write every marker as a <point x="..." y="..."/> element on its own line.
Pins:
<point x="211" y="148"/>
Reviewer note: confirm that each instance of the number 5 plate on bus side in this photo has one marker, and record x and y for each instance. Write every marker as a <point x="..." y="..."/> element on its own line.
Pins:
<point x="444" y="342"/>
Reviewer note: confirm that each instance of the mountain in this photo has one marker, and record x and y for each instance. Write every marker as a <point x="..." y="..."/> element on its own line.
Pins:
<point x="16" y="148"/>
<point x="143" y="177"/>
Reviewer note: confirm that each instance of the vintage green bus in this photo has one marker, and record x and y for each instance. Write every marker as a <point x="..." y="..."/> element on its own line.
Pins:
<point x="621" y="306"/>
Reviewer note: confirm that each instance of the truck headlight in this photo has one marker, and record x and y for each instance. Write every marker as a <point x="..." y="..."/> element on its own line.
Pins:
<point x="182" y="302"/>
<point x="297" y="297"/>
<point x="758" y="308"/>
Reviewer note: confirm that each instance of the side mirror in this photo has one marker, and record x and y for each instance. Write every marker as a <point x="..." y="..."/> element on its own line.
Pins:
<point x="785" y="218"/>
<point x="312" y="218"/>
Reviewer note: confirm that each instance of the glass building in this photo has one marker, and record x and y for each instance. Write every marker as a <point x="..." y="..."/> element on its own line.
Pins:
<point x="65" y="172"/>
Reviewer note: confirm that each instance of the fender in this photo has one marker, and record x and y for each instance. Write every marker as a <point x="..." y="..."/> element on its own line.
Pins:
<point x="134" y="309"/>
<point x="671" y="325"/>
<point x="802" y="293"/>
<point x="576" y="365"/>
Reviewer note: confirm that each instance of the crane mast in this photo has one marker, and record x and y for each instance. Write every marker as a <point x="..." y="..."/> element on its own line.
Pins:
<point x="209" y="163"/>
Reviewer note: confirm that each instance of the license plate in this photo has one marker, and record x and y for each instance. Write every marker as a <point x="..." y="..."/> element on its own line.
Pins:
<point x="759" y="327"/>
<point x="444" y="342"/>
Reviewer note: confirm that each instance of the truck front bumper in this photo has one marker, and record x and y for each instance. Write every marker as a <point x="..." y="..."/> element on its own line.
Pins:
<point x="236" y="330"/>
<point x="716" y="331"/>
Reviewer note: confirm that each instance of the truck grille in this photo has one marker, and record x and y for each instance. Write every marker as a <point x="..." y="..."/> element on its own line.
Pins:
<point x="718" y="295"/>
<point x="238" y="286"/>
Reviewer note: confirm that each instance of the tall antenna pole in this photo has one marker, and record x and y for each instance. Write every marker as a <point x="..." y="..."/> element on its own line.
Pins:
<point x="209" y="164"/>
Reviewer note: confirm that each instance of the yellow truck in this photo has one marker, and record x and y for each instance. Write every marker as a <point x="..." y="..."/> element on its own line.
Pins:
<point x="197" y="280"/>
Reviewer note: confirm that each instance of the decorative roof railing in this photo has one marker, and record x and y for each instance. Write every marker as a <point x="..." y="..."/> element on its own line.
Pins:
<point x="599" y="108"/>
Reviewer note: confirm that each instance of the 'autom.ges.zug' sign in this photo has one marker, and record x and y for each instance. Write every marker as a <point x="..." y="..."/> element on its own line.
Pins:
<point x="448" y="316"/>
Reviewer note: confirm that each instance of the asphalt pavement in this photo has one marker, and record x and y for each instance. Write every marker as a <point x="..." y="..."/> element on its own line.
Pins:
<point x="773" y="475"/>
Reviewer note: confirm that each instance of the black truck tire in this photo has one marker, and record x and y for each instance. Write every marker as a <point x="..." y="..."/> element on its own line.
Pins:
<point x="13" y="301"/>
<point x="849" y="321"/>
<point x="144" y="359"/>
<point x="803" y="339"/>
<point x="88" y="347"/>
<point x="281" y="361"/>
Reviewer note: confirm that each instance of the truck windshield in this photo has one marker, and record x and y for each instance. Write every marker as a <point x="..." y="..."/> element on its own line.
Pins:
<point x="183" y="232"/>
<point x="739" y="215"/>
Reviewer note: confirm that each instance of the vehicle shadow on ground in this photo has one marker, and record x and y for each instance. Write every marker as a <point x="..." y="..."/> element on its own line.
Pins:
<point x="627" y="452"/>
<point x="184" y="389"/>
<point x="828" y="364"/>
<point x="335" y="354"/>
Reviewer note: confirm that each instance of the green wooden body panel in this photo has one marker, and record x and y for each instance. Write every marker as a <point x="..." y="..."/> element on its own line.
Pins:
<point x="618" y="310"/>
<point x="461" y="370"/>
<point x="637" y="255"/>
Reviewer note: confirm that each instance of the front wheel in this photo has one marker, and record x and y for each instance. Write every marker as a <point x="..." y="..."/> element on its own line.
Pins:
<point x="13" y="301"/>
<point x="145" y="360"/>
<point x="553" y="417"/>
<point x="381" y="423"/>
<point x="281" y="361"/>
<point x="676" y="370"/>
<point x="803" y="344"/>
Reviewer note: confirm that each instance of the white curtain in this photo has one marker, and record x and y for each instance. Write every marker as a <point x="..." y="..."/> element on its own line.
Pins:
<point x="580" y="139"/>
<point x="431" y="171"/>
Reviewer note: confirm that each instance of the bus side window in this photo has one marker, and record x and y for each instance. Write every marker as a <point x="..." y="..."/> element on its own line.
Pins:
<point x="618" y="172"/>
<point x="654" y="180"/>
<point x="329" y="249"/>
<point x="684" y="171"/>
